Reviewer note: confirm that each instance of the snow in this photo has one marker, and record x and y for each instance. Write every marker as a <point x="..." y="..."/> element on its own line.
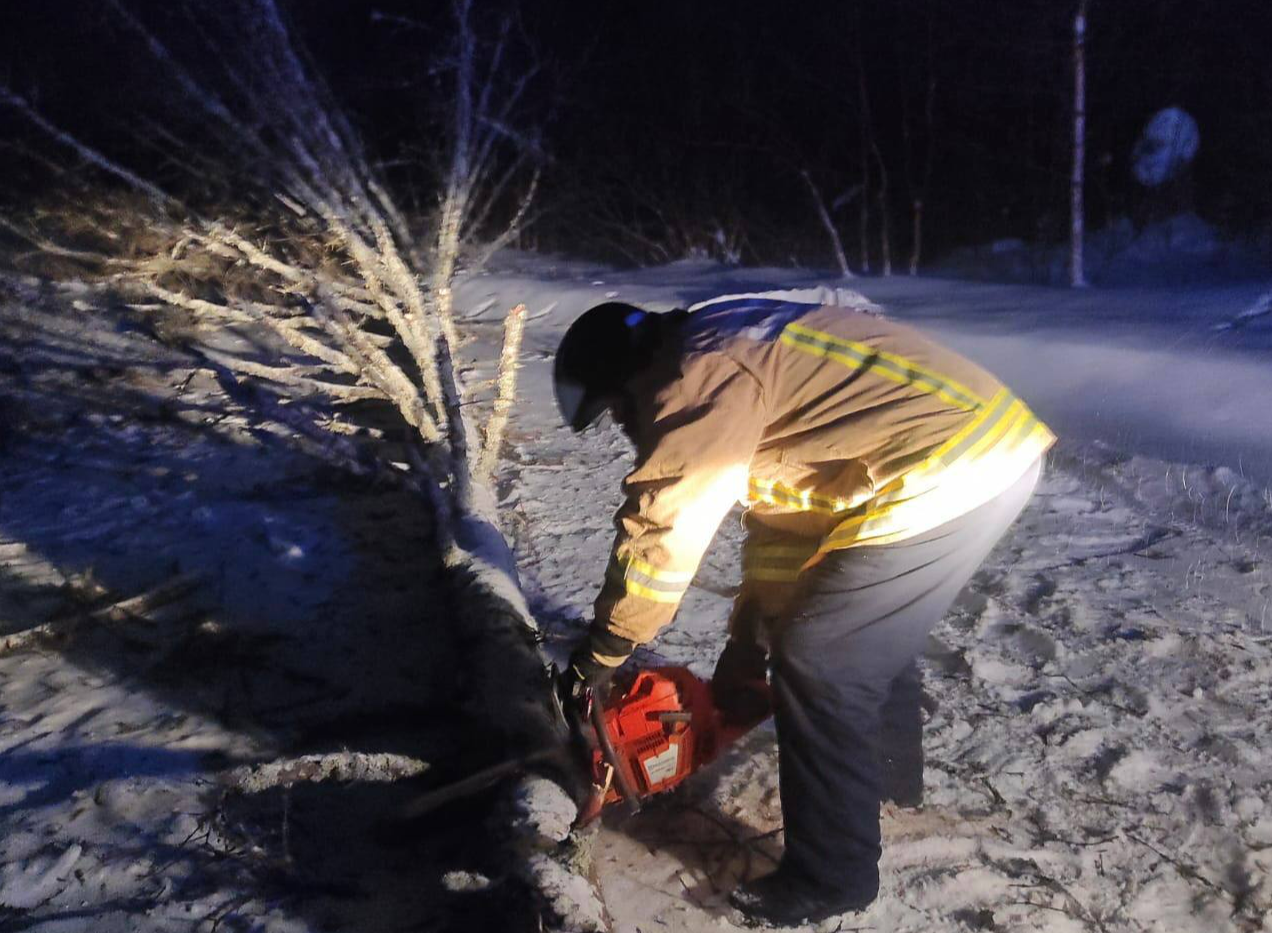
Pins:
<point x="1181" y="250"/>
<point x="1096" y="725"/>
<point x="1096" y="711"/>
<point x="119" y="467"/>
<point x="1169" y="142"/>
<point x="1142" y="369"/>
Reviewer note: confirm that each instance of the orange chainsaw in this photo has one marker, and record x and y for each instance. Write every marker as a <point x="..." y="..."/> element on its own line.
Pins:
<point x="657" y="732"/>
<point x="643" y="740"/>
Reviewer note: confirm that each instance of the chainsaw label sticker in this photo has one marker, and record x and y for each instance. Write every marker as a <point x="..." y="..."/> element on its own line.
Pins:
<point x="662" y="766"/>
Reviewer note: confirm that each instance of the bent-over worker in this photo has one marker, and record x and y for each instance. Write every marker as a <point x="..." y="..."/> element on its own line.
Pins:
<point x="878" y="469"/>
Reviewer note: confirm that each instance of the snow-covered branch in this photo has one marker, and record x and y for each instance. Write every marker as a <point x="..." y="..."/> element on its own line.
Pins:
<point x="262" y="244"/>
<point x="506" y="394"/>
<point x="340" y="767"/>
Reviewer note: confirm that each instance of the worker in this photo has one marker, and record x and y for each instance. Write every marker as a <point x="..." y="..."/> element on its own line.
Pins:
<point x="878" y="469"/>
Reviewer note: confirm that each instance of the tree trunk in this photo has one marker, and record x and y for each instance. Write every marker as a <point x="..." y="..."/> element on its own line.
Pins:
<point x="510" y="690"/>
<point x="829" y="224"/>
<point x="1077" y="277"/>
<point x="917" y="242"/>
<point x="864" y="117"/>
<point x="885" y="230"/>
<point x="929" y="155"/>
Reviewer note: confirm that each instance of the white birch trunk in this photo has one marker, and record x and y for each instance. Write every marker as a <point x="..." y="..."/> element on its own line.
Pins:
<point x="885" y="230"/>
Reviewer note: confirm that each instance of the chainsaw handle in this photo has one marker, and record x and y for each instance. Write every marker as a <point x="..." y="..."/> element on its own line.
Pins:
<point x="630" y="795"/>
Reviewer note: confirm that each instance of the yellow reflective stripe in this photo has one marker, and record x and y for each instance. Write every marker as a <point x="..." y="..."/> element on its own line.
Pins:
<point x="993" y="429"/>
<point x="776" y="563"/>
<point x="849" y="528"/>
<point x="657" y="596"/>
<point x="1014" y="413"/>
<point x="898" y="369"/>
<point x="940" y="457"/>
<point x="873" y="521"/>
<point x="1023" y="433"/>
<point x="1044" y="435"/>
<point x="941" y="386"/>
<point x="972" y="426"/>
<point x="775" y="493"/>
<point x="642" y="579"/>
<point x="663" y="576"/>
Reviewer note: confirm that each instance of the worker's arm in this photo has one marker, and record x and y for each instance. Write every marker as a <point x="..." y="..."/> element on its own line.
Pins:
<point x="771" y="564"/>
<point x="694" y="447"/>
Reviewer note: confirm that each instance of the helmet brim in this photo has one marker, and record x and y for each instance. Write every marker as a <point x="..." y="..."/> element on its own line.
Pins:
<point x="578" y="408"/>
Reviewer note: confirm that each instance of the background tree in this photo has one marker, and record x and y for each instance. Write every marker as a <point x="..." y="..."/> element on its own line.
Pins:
<point x="1077" y="274"/>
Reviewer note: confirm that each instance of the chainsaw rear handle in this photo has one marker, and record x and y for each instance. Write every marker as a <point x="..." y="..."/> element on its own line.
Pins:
<point x="631" y="796"/>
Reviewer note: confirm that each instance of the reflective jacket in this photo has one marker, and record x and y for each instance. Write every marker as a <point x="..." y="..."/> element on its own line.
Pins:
<point x="835" y="426"/>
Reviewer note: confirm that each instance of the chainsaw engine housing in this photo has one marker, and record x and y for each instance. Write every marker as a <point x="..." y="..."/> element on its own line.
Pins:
<point x="662" y="728"/>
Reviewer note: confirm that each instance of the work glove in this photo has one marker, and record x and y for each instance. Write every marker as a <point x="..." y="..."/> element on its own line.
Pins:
<point x="583" y="673"/>
<point x="739" y="685"/>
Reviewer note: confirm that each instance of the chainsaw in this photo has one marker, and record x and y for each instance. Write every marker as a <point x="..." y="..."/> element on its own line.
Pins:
<point x="655" y="734"/>
<point x="645" y="739"/>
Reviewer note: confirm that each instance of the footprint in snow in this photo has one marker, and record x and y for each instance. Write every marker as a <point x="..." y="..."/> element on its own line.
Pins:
<point x="1023" y="641"/>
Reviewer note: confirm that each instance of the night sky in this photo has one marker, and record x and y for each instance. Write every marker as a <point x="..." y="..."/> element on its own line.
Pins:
<point x="702" y="115"/>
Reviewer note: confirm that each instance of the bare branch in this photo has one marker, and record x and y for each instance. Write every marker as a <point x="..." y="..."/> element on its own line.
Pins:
<point x="828" y="223"/>
<point x="49" y="247"/>
<point x="491" y="196"/>
<point x="297" y="377"/>
<point x="85" y="152"/>
<point x="515" y="225"/>
<point x="119" y="610"/>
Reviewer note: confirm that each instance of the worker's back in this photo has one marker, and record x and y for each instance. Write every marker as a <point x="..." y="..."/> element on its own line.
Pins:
<point x="861" y="416"/>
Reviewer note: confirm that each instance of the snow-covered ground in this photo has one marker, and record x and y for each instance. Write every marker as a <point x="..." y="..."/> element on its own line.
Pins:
<point x="1097" y="724"/>
<point x="1097" y="735"/>
<point x="312" y="630"/>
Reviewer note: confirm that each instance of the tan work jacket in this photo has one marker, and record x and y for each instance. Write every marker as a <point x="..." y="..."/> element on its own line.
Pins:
<point x="836" y="427"/>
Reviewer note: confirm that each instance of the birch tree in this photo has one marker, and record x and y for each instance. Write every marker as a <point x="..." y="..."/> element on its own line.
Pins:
<point x="311" y="249"/>
<point x="269" y="220"/>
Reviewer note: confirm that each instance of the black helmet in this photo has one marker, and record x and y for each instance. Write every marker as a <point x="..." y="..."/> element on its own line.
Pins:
<point x="599" y="354"/>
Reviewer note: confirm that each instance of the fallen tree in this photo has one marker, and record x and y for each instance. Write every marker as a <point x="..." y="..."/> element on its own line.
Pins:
<point x="269" y="249"/>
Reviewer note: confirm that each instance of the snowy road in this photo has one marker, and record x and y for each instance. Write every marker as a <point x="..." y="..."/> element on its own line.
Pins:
<point x="1097" y="731"/>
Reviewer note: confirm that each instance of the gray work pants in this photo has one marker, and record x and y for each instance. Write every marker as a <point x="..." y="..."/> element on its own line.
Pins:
<point x="846" y="688"/>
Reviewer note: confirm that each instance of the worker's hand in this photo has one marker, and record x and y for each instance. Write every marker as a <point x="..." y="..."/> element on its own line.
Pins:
<point x="739" y="685"/>
<point x="584" y="673"/>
